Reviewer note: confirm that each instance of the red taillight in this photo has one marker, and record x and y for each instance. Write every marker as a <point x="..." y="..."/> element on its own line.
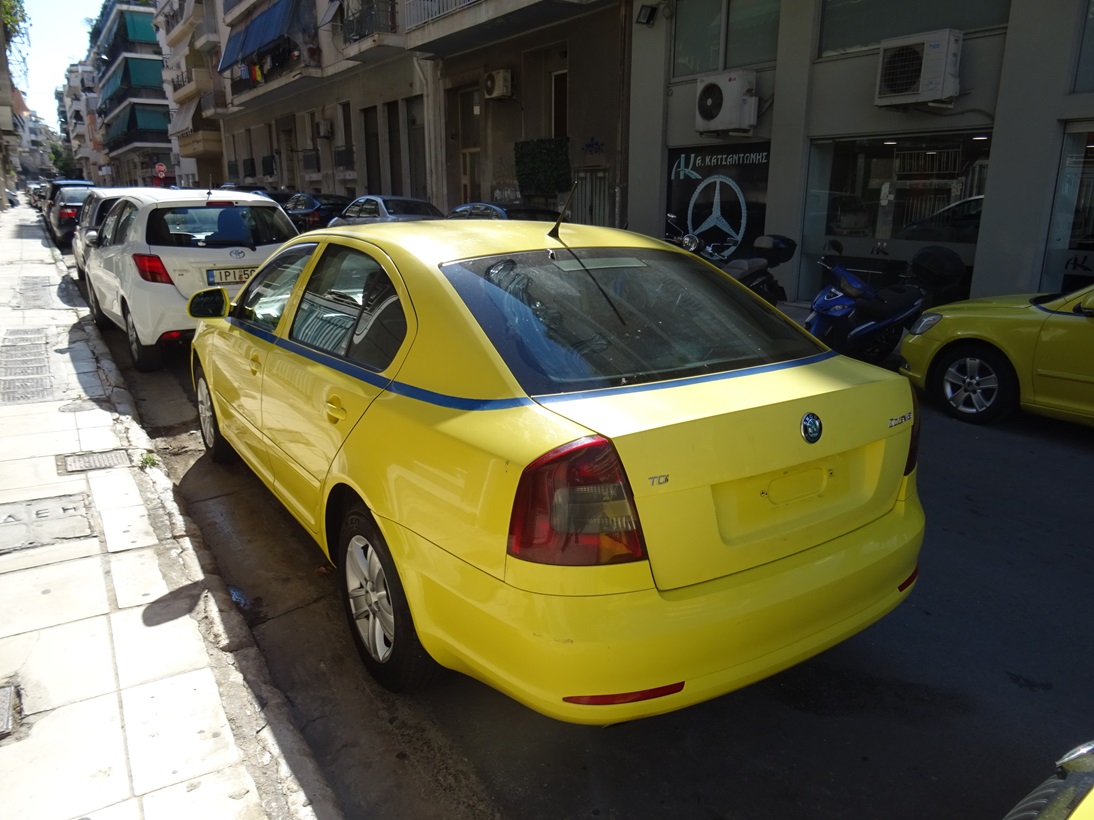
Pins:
<point x="626" y="697"/>
<point x="913" y="445"/>
<point x="151" y="268"/>
<point x="910" y="579"/>
<point x="313" y="218"/>
<point x="574" y="507"/>
<point x="67" y="213"/>
<point x="173" y="335"/>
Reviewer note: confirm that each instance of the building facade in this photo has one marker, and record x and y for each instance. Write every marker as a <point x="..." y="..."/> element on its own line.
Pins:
<point x="133" y="112"/>
<point x="885" y="126"/>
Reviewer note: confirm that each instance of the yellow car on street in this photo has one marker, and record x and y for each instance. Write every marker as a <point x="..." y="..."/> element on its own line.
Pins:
<point x="981" y="359"/>
<point x="580" y="465"/>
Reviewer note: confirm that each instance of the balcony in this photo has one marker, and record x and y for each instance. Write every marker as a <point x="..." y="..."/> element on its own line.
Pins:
<point x="201" y="144"/>
<point x="126" y="92"/>
<point x="445" y="27"/>
<point x="269" y="165"/>
<point x="343" y="158"/>
<point x="179" y="23"/>
<point x="370" y="32"/>
<point x="280" y="81"/>
<point x="235" y="9"/>
<point x="206" y="36"/>
<point x="214" y="105"/>
<point x="132" y="140"/>
<point x="190" y="83"/>
<point x="249" y="168"/>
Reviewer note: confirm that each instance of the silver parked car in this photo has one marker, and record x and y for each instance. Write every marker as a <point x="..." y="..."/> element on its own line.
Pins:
<point x="376" y="208"/>
<point x="98" y="203"/>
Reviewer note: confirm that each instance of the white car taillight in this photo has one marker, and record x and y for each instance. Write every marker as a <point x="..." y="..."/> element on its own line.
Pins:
<point x="574" y="507"/>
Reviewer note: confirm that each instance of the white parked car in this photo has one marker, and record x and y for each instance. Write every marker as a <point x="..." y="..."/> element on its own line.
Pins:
<point x="157" y="247"/>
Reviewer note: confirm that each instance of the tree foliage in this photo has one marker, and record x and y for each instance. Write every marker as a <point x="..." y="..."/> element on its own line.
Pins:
<point x="64" y="161"/>
<point x="14" y="19"/>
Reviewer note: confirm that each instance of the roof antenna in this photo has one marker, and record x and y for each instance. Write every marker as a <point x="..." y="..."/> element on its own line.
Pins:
<point x="553" y="233"/>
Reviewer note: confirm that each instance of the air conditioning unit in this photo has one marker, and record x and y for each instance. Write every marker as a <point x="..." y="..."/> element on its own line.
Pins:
<point x="922" y="68"/>
<point x="498" y="85"/>
<point x="726" y="101"/>
<point x="324" y="129"/>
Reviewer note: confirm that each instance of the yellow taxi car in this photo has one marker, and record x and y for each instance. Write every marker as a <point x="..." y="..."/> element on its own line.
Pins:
<point x="582" y="466"/>
<point x="982" y="358"/>
<point x="1067" y="795"/>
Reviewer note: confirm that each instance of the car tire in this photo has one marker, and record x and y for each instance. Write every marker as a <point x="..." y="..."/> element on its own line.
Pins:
<point x="145" y="357"/>
<point x="102" y="321"/>
<point x="376" y="607"/>
<point x="975" y="382"/>
<point x="216" y="445"/>
<point x="877" y="348"/>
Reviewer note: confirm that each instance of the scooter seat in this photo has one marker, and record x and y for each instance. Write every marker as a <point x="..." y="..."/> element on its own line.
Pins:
<point x="740" y="268"/>
<point x="890" y="301"/>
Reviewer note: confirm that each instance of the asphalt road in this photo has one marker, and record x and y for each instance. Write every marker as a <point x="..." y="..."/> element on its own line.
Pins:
<point x="953" y="706"/>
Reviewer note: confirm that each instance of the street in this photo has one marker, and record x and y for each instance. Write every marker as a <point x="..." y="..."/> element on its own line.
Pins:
<point x="955" y="705"/>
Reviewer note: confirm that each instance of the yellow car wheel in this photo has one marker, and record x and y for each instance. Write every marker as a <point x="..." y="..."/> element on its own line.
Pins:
<point x="376" y="607"/>
<point x="975" y="382"/>
<point x="215" y="444"/>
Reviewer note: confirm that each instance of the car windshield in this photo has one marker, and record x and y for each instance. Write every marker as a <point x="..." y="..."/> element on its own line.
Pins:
<point x="330" y="199"/>
<point x="566" y="321"/>
<point x="70" y="195"/>
<point x="207" y="226"/>
<point x="410" y="207"/>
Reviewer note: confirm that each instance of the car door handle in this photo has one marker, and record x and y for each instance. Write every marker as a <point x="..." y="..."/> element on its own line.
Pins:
<point x="335" y="411"/>
<point x="256" y="365"/>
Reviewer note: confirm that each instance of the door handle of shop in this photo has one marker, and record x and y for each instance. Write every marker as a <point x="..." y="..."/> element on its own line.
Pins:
<point x="256" y="365"/>
<point x="335" y="412"/>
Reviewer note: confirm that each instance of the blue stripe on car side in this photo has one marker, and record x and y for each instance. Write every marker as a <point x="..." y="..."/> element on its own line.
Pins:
<point x="458" y="403"/>
<point x="1044" y="309"/>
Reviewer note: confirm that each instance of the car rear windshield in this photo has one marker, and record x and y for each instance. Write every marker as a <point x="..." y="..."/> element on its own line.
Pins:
<point x="331" y="199"/>
<point x="567" y="321"/>
<point x="70" y="195"/>
<point x="218" y="226"/>
<point x="410" y="207"/>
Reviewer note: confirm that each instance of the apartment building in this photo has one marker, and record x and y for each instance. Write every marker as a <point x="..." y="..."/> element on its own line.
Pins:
<point x="133" y="111"/>
<point x="79" y="99"/>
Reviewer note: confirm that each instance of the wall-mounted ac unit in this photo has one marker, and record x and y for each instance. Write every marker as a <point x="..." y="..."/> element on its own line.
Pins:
<point x="726" y="101"/>
<point x="324" y="129"/>
<point x="498" y="85"/>
<point x="922" y="68"/>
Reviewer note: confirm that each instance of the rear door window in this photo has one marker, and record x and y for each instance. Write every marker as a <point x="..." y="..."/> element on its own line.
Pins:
<point x="263" y="300"/>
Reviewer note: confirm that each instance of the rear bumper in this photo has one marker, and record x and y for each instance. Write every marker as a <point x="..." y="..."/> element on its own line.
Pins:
<point x="714" y="637"/>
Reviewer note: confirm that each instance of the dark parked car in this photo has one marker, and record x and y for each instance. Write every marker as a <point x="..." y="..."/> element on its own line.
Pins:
<point x="98" y="203"/>
<point x="280" y="197"/>
<point x="502" y="210"/>
<point x="13" y="198"/>
<point x="376" y="208"/>
<point x="309" y="211"/>
<point x="65" y="212"/>
<point x="45" y="204"/>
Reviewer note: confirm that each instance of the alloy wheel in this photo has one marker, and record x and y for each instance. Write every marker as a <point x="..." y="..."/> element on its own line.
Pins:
<point x="369" y="600"/>
<point x="970" y="385"/>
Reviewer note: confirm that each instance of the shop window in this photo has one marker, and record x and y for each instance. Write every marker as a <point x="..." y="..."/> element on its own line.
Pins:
<point x="853" y="26"/>
<point x="1084" y="76"/>
<point x="885" y="198"/>
<point x="1069" y="259"/>
<point x="714" y="34"/>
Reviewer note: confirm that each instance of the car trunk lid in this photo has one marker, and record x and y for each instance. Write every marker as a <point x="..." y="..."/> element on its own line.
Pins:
<point x="723" y="477"/>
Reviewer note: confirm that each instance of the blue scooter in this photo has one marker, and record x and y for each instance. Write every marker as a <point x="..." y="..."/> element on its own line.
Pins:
<point x="855" y="318"/>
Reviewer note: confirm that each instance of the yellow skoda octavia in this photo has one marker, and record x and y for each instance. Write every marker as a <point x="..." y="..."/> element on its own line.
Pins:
<point x="586" y="468"/>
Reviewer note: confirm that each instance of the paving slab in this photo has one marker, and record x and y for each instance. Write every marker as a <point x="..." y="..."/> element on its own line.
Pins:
<point x="50" y="595"/>
<point x="60" y="664"/>
<point x="152" y="651"/>
<point x="229" y="794"/>
<point x="136" y="577"/>
<point x="48" y="554"/>
<point x="70" y="761"/>
<point x="176" y="730"/>
<point x="127" y="528"/>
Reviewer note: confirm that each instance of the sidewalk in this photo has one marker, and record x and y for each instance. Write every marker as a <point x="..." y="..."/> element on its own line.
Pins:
<point x="130" y="686"/>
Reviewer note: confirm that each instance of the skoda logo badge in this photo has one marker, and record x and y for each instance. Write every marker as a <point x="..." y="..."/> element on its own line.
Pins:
<point x="811" y="428"/>
<point x="236" y="253"/>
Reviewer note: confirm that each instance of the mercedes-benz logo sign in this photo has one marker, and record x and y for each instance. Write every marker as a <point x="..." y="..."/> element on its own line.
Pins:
<point x="236" y="253"/>
<point x="811" y="428"/>
<point x="734" y="233"/>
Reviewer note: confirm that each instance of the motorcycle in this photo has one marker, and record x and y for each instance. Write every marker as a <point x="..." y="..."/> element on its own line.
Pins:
<point x="755" y="272"/>
<point x="867" y="323"/>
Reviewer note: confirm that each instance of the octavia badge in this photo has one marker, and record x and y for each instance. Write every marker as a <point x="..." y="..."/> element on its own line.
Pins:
<point x="811" y="428"/>
<point x="236" y="253"/>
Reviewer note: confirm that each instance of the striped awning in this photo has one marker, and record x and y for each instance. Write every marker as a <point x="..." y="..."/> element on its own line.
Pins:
<point x="183" y="121"/>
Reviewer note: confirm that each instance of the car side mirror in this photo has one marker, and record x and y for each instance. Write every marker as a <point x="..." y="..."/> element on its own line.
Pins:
<point x="211" y="303"/>
<point x="91" y="237"/>
<point x="1086" y="305"/>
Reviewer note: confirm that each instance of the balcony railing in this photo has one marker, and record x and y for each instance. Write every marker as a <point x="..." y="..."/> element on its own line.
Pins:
<point x="343" y="157"/>
<point x="373" y="16"/>
<point x="182" y="79"/>
<point x="131" y="137"/>
<point x="420" y="12"/>
<point x="211" y="101"/>
<point x="310" y="161"/>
